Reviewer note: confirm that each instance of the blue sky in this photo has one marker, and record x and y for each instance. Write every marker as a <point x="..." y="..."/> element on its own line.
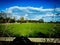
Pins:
<point x="34" y="3"/>
<point x="31" y="9"/>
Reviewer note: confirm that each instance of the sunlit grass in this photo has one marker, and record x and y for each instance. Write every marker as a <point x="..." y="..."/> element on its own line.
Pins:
<point x="26" y="29"/>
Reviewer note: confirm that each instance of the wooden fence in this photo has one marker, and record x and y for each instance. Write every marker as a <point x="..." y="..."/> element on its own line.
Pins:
<point x="47" y="40"/>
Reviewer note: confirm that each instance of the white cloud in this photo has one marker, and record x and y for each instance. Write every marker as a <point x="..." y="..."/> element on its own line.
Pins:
<point x="37" y="17"/>
<point x="26" y="11"/>
<point x="57" y="9"/>
<point x="49" y="14"/>
<point x="16" y="16"/>
<point x="26" y="15"/>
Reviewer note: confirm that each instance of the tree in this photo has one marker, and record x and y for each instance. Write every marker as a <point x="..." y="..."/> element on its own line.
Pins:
<point x="4" y="17"/>
<point x="41" y="20"/>
<point x="21" y="19"/>
<point x="14" y="19"/>
<point x="3" y="14"/>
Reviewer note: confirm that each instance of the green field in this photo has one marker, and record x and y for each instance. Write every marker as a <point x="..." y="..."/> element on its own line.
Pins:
<point x="27" y="29"/>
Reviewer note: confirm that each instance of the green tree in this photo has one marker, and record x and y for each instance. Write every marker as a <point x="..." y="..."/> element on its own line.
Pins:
<point x="14" y="19"/>
<point x="22" y="19"/>
<point x="41" y="20"/>
<point x="4" y="28"/>
<point x="3" y="16"/>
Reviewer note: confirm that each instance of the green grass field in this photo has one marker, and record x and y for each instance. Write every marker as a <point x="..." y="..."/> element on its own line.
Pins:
<point x="26" y="29"/>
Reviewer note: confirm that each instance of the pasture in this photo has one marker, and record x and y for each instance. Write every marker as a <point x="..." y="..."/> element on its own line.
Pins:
<point x="27" y="29"/>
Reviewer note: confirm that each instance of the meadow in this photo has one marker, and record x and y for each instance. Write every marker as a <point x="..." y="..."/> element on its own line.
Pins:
<point x="27" y="29"/>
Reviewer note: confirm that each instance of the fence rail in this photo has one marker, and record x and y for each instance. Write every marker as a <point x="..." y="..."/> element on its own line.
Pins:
<point x="47" y="40"/>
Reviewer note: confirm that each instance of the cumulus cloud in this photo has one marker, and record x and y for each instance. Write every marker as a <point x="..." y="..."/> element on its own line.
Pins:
<point x="58" y="9"/>
<point x="27" y="9"/>
<point x="31" y="12"/>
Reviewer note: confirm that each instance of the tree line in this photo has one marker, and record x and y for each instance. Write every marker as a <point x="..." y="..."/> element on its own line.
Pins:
<point x="6" y="18"/>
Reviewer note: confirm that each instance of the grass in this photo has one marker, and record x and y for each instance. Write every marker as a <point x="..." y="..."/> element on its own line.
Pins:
<point x="26" y="29"/>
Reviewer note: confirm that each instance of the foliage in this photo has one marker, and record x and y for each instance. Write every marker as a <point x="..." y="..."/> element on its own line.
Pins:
<point x="41" y="20"/>
<point x="22" y="18"/>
